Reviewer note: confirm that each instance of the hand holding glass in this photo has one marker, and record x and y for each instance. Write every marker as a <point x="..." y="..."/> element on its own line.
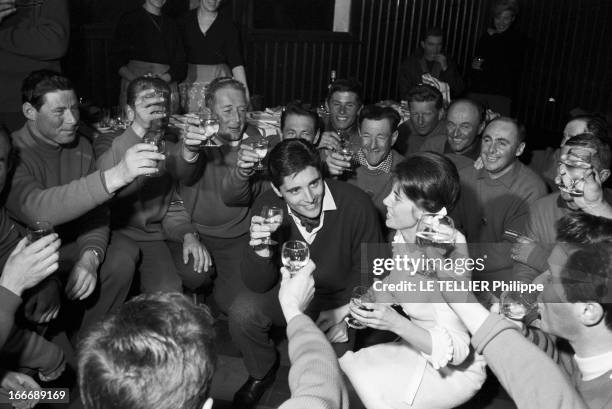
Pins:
<point x="435" y="230"/>
<point x="295" y="255"/>
<point x="156" y="139"/>
<point x="516" y="304"/>
<point x="39" y="230"/>
<point x="261" y="149"/>
<point x="273" y="217"/>
<point x="210" y="123"/>
<point x="359" y="295"/>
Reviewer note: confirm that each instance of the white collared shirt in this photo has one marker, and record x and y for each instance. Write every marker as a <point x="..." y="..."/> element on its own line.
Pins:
<point x="328" y="205"/>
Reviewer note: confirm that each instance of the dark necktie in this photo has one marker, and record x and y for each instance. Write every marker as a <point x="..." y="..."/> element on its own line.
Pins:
<point x="309" y="223"/>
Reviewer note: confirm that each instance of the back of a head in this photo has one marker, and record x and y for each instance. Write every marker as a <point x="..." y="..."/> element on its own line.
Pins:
<point x="426" y="93"/>
<point x="430" y="180"/>
<point x="583" y="229"/>
<point x="221" y="83"/>
<point x="346" y="85"/>
<point x="377" y="113"/>
<point x="602" y="157"/>
<point x="292" y="156"/>
<point x="157" y="352"/>
<point x="38" y="83"/>
<point x="587" y="277"/>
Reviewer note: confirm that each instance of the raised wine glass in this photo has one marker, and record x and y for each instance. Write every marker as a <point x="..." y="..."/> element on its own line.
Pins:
<point x="572" y="177"/>
<point x="155" y="138"/>
<point x="515" y="305"/>
<point x="261" y="149"/>
<point x="273" y="217"/>
<point x="295" y="255"/>
<point x="210" y="123"/>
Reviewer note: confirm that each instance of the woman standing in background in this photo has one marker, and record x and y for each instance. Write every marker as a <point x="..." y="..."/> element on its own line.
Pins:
<point x="212" y="45"/>
<point x="147" y="42"/>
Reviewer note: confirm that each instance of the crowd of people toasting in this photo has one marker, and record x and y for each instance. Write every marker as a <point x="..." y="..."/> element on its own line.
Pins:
<point x="282" y="231"/>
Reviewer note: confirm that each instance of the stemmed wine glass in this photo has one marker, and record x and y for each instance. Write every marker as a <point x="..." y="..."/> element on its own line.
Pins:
<point x="38" y="230"/>
<point x="295" y="254"/>
<point x="360" y="295"/>
<point x="273" y="217"/>
<point x="574" y="175"/>
<point x="155" y="138"/>
<point x="210" y="123"/>
<point x="261" y="149"/>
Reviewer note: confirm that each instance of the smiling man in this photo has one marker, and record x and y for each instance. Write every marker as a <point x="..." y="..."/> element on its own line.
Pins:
<point x="426" y="106"/>
<point x="497" y="197"/>
<point x="464" y="124"/>
<point x="334" y="218"/>
<point x="375" y="157"/>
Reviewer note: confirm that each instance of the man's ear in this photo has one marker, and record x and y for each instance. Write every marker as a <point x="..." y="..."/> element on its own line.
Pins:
<point x="278" y="193"/>
<point x="208" y="404"/>
<point x="394" y="137"/>
<point x="441" y="114"/>
<point x="591" y="313"/>
<point x="29" y="111"/>
<point x="520" y="149"/>
<point x="604" y="174"/>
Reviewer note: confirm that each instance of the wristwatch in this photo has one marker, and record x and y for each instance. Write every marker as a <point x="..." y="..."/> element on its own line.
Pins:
<point x="97" y="253"/>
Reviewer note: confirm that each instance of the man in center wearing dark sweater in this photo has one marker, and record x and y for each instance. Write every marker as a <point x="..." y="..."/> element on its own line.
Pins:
<point x="335" y="219"/>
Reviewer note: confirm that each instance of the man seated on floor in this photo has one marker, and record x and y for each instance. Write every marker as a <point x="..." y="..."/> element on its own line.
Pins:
<point x="334" y="219"/>
<point x="591" y="197"/>
<point x="180" y="335"/>
<point x="140" y="210"/>
<point x="496" y="198"/>
<point x="465" y="121"/>
<point x="299" y="122"/>
<point x="376" y="158"/>
<point x="56" y="181"/>
<point x="426" y="106"/>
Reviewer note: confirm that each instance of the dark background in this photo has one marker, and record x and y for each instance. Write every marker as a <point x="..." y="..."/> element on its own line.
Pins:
<point x="568" y="60"/>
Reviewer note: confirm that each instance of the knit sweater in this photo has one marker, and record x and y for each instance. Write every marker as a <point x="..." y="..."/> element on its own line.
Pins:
<point x="314" y="378"/>
<point x="31" y="39"/>
<point x="60" y="185"/>
<point x="530" y="377"/>
<point x="336" y="249"/>
<point x="140" y="207"/>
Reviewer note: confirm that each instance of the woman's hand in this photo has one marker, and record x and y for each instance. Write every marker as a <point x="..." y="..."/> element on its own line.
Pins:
<point x="377" y="316"/>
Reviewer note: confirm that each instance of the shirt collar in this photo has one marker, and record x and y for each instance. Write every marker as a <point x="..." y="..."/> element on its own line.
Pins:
<point x="506" y="179"/>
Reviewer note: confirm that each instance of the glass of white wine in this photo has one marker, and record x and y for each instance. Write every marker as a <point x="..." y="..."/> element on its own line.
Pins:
<point x="261" y="149"/>
<point x="273" y="217"/>
<point x="435" y="230"/>
<point x="295" y="254"/>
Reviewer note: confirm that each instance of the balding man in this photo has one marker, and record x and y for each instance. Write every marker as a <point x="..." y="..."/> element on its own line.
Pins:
<point x="464" y="124"/>
<point x="496" y="198"/>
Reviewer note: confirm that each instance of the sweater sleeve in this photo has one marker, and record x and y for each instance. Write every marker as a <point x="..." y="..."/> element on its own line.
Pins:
<point x="29" y="201"/>
<point x="44" y="36"/>
<point x="530" y="377"/>
<point x="8" y="306"/>
<point x="314" y="378"/>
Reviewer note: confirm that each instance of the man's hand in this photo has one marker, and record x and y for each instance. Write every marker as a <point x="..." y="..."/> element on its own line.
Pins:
<point x="592" y="200"/>
<point x="338" y="333"/>
<point x="28" y="265"/>
<point x="147" y="108"/>
<point x="441" y="59"/>
<point x="6" y="7"/>
<point x="296" y="291"/>
<point x="192" y="134"/>
<point x="330" y="140"/>
<point x="261" y="232"/>
<point x="17" y="381"/>
<point x="83" y="277"/>
<point x="44" y="304"/>
<point x="140" y="159"/>
<point x="201" y="258"/>
<point x="337" y="163"/>
<point x="247" y="158"/>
